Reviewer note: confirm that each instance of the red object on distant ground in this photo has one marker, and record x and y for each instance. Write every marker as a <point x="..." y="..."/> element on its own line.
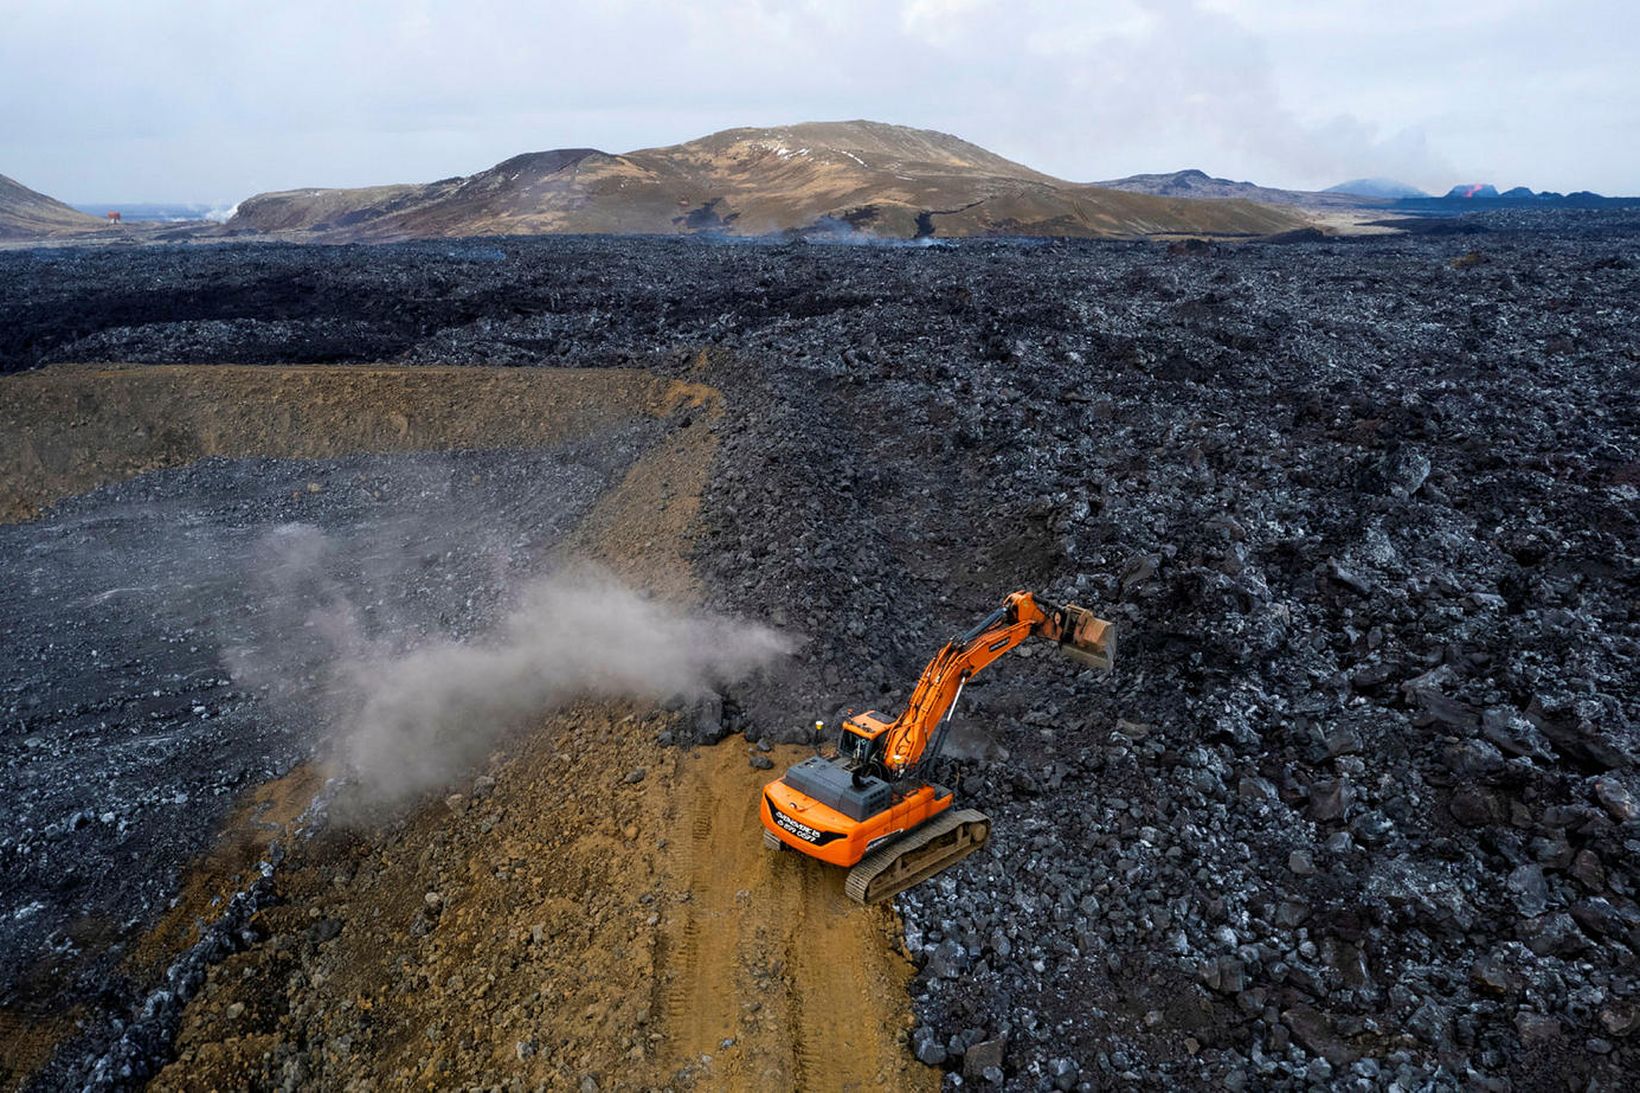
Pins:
<point x="114" y="218"/>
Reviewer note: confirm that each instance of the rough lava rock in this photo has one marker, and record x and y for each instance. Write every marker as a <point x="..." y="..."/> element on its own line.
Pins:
<point x="1357" y="807"/>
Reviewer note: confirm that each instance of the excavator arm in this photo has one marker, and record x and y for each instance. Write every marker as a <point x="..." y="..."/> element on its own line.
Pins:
<point x="897" y="748"/>
<point x="866" y="808"/>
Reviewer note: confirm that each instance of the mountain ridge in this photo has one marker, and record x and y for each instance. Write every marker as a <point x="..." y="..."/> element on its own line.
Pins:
<point x="853" y="176"/>
<point x="1194" y="184"/>
<point x="1471" y="196"/>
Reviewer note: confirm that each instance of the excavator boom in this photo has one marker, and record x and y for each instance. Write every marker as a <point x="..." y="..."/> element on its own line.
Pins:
<point x="1076" y="630"/>
<point x="866" y="807"/>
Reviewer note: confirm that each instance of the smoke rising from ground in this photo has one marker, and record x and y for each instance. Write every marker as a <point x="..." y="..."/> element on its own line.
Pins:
<point x="407" y="706"/>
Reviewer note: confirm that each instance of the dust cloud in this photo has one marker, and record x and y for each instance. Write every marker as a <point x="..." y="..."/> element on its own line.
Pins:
<point x="409" y="703"/>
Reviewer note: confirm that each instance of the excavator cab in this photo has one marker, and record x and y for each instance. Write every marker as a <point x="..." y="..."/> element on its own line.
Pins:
<point x="861" y="737"/>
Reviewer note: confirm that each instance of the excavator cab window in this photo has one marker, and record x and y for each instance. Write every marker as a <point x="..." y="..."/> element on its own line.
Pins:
<point x="853" y="746"/>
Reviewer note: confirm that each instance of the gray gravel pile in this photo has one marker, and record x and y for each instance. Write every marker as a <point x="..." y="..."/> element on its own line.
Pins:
<point x="1358" y="807"/>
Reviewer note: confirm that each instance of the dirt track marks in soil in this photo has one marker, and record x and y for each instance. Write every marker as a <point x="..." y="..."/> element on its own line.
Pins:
<point x="766" y="951"/>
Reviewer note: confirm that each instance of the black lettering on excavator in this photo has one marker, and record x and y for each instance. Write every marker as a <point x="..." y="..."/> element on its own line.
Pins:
<point x="811" y="835"/>
<point x="880" y="839"/>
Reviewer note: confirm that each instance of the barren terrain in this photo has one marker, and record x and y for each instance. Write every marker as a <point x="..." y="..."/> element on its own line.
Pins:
<point x="27" y="214"/>
<point x="844" y="178"/>
<point x="1357" y="808"/>
<point x="1200" y="185"/>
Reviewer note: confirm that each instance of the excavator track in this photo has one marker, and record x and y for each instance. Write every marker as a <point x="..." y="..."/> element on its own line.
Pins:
<point x="942" y="841"/>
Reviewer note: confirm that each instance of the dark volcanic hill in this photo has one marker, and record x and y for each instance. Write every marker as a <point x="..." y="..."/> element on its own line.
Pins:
<point x="881" y="180"/>
<point x="1480" y="195"/>
<point x="1473" y="191"/>
<point x="1195" y="185"/>
<point x="27" y="214"/>
<point x="1375" y="187"/>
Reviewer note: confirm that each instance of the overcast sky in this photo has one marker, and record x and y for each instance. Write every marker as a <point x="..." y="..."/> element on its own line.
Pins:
<point x="213" y="100"/>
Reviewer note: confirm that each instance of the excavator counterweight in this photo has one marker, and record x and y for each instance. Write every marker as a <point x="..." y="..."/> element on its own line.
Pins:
<point x="867" y="807"/>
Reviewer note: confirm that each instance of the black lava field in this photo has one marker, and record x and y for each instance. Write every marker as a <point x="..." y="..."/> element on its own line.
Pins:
<point x="1359" y="805"/>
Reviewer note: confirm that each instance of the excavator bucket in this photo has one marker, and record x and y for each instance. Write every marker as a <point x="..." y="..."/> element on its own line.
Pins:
<point x="1085" y="637"/>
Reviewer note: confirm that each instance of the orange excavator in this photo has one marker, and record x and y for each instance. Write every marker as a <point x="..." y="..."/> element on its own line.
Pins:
<point x="868" y="807"/>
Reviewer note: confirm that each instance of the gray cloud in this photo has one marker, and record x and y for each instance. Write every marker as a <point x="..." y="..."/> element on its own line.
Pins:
<point x="211" y="101"/>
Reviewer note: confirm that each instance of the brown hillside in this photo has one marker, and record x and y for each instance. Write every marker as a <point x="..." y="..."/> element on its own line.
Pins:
<point x="26" y="214"/>
<point x="885" y="180"/>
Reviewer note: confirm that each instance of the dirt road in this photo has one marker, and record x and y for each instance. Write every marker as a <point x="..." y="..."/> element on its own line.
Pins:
<point x="767" y="952"/>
